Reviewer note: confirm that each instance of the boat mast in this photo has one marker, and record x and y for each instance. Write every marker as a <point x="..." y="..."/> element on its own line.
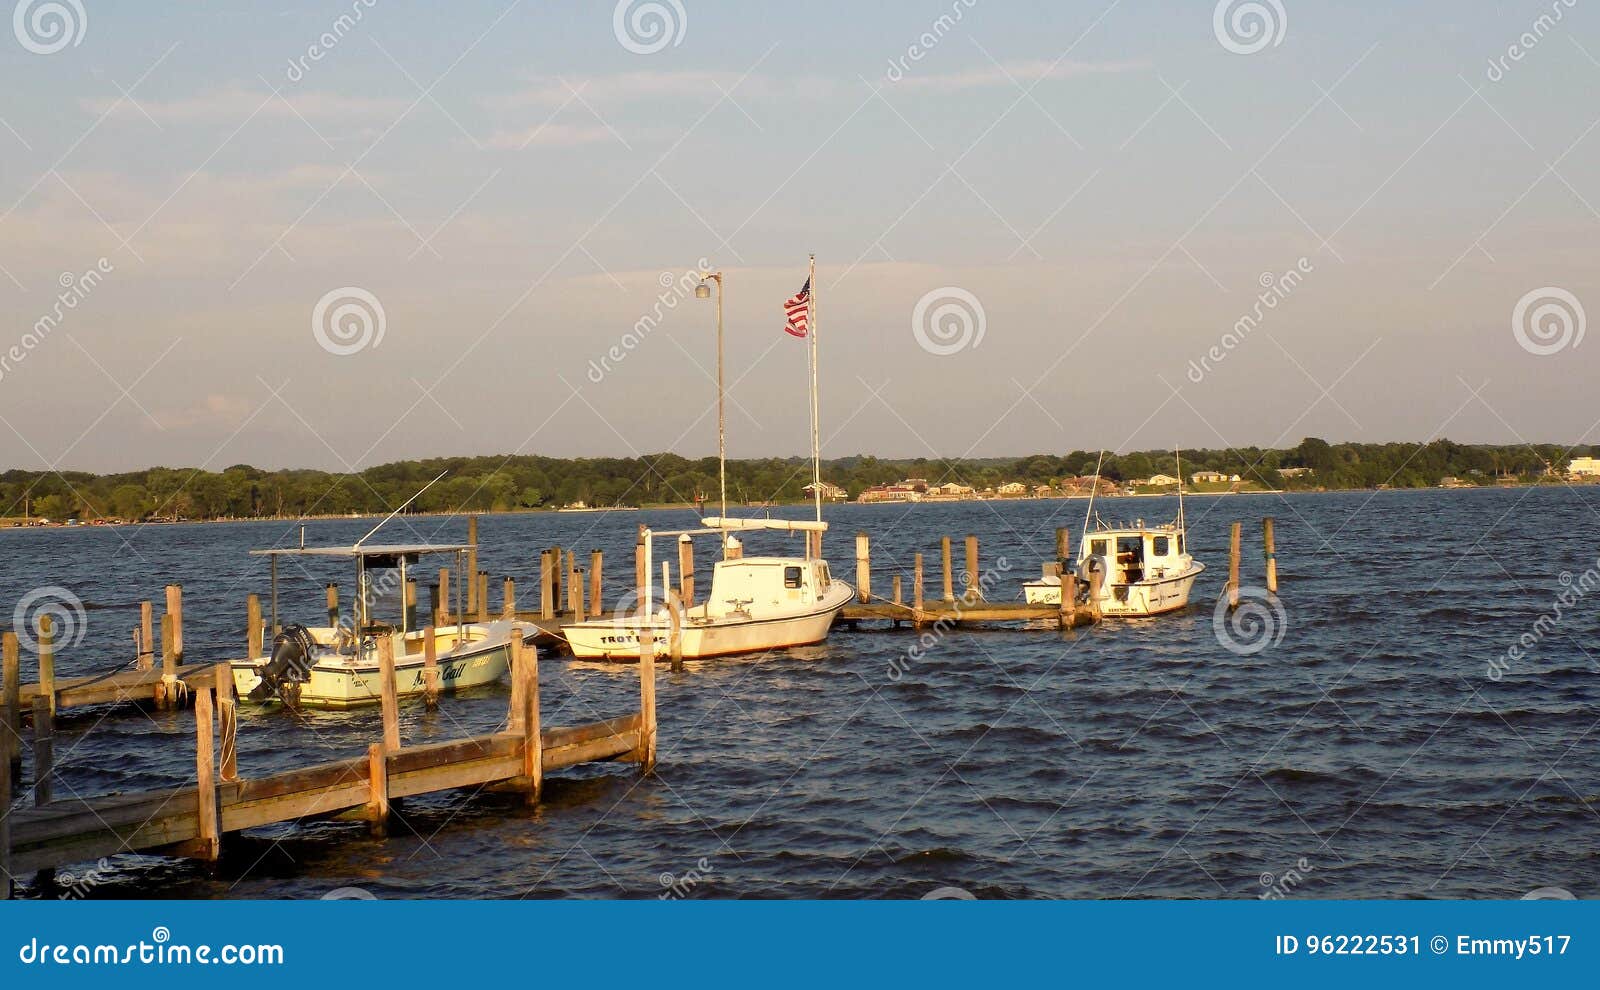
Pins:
<point x="1093" y="490"/>
<point x="816" y="442"/>
<point x="1177" y="457"/>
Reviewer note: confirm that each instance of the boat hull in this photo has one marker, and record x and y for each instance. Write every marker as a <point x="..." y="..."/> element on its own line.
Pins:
<point x="620" y="640"/>
<point x="340" y="682"/>
<point x="1137" y="600"/>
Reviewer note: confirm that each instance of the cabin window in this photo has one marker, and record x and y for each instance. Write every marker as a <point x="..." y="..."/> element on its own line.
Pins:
<point x="1097" y="548"/>
<point x="1159" y="546"/>
<point x="791" y="577"/>
<point x="1180" y="543"/>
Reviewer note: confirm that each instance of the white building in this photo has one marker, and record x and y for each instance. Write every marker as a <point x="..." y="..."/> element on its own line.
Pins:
<point x="1584" y="466"/>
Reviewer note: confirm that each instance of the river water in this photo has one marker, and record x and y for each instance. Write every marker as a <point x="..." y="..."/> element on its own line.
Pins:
<point x="1348" y="742"/>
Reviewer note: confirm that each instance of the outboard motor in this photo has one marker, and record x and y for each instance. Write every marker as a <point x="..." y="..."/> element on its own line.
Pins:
<point x="290" y="666"/>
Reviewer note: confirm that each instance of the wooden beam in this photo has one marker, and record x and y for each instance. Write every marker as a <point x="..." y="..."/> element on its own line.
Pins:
<point x="447" y="606"/>
<point x="252" y="624"/>
<point x="47" y="658"/>
<point x="596" y="585"/>
<point x="332" y="592"/>
<point x="430" y="667"/>
<point x="483" y="596"/>
<point x="388" y="694"/>
<point x="686" y="569"/>
<point x="863" y="567"/>
<point x="508" y="599"/>
<point x="1233" y="565"/>
<point x="647" y="699"/>
<point x="974" y="591"/>
<point x="227" y="723"/>
<point x="409" y="605"/>
<point x="147" y="639"/>
<point x="11" y="701"/>
<point x="949" y="578"/>
<point x="175" y="609"/>
<point x="916" y="590"/>
<point x="209" y="842"/>
<point x="532" y="729"/>
<point x="6" y="886"/>
<point x="168" y="694"/>
<point x="377" y="809"/>
<point x="1269" y="546"/>
<point x="547" y="586"/>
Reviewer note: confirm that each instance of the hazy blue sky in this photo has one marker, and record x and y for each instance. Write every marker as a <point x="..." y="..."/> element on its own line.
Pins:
<point x="514" y="182"/>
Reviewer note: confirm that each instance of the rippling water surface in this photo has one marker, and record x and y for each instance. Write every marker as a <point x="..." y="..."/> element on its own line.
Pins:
<point x="1366" y="753"/>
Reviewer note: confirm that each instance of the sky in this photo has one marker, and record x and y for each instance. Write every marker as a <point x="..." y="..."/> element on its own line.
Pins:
<point x="339" y="234"/>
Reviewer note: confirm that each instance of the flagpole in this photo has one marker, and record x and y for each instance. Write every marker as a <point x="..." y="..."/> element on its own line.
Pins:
<point x="816" y="444"/>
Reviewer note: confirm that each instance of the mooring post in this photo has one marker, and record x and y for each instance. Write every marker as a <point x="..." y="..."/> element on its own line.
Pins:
<point x="167" y="695"/>
<point x="209" y="842"/>
<point x="410" y="605"/>
<point x="1097" y="579"/>
<point x="974" y="590"/>
<point x="252" y="627"/>
<point x="546" y="586"/>
<point x="446" y="611"/>
<point x="575" y="589"/>
<point x="6" y="888"/>
<point x="916" y="590"/>
<point x="430" y="667"/>
<point x="532" y="729"/>
<point x="44" y="732"/>
<point x="1064" y="549"/>
<point x="647" y="699"/>
<point x="596" y="585"/>
<point x="675" y="643"/>
<point x="483" y="596"/>
<point x="147" y="637"/>
<point x="175" y="609"/>
<point x="686" y="569"/>
<point x="227" y="724"/>
<point x="388" y="692"/>
<point x="1233" y="565"/>
<point x="508" y="598"/>
<point x="640" y="578"/>
<point x="898" y="598"/>
<point x="517" y="710"/>
<point x="558" y="579"/>
<point x="333" y="605"/>
<point x="1269" y="545"/>
<point x="949" y="572"/>
<point x="10" y="704"/>
<point x="377" y="791"/>
<point x="47" y="659"/>
<point x="863" y="567"/>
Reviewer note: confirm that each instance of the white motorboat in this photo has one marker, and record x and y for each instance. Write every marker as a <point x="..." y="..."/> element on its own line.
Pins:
<point x="337" y="666"/>
<point x="1139" y="570"/>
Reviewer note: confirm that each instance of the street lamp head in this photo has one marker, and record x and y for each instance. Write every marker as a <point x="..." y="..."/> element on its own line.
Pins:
<point x="703" y="290"/>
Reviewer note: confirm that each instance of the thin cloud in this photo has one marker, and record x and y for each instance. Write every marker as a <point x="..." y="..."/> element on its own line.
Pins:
<point x="235" y="103"/>
<point x="1007" y="73"/>
<point x="551" y="135"/>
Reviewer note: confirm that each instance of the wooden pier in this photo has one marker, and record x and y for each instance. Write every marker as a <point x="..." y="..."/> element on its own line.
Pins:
<point x="192" y="821"/>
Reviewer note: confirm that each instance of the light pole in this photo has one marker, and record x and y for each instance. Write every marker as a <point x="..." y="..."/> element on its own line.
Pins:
<point x="703" y="291"/>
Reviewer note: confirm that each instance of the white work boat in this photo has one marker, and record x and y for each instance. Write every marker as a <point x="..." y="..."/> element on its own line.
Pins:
<point x="756" y="604"/>
<point x="339" y="667"/>
<point x="1142" y="570"/>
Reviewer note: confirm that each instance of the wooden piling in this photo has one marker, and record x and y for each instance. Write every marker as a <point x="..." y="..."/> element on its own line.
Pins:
<point x="863" y="567"/>
<point x="252" y="627"/>
<point x="175" y="609"/>
<point x="508" y="599"/>
<point x="532" y="727"/>
<point x="547" y="586"/>
<point x="1097" y="578"/>
<point x="147" y="638"/>
<point x="1269" y="546"/>
<point x="434" y="604"/>
<point x="377" y="810"/>
<point x="675" y="610"/>
<point x="974" y="591"/>
<point x="596" y="585"/>
<point x="388" y="693"/>
<point x="227" y="725"/>
<point x="647" y="699"/>
<point x="11" y="702"/>
<point x="44" y="732"/>
<point x="517" y="711"/>
<point x="447" y="606"/>
<point x="1233" y="565"/>
<point x="333" y="605"/>
<point x="558" y="579"/>
<point x="916" y="590"/>
<point x="430" y="667"/>
<point x="898" y="598"/>
<point x="472" y="564"/>
<point x="640" y="578"/>
<point x="47" y="659"/>
<point x="949" y="577"/>
<point x="410" y="605"/>
<point x="481" y="608"/>
<point x="1064" y="549"/>
<point x="6" y="887"/>
<point x="686" y="569"/>
<point x="574" y="589"/>
<point x="169" y="663"/>
<point x="209" y="842"/>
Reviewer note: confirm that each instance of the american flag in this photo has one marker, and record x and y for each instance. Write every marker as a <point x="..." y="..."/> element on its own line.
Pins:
<point x="797" y="308"/>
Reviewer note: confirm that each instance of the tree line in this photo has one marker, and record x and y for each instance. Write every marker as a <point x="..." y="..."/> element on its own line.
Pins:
<point x="509" y="483"/>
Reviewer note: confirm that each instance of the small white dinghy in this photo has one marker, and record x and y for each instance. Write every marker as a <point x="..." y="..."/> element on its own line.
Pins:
<point x="338" y="666"/>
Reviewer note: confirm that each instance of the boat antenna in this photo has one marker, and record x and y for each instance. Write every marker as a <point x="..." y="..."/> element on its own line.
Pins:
<point x="401" y="509"/>
<point x="1177" y="458"/>
<point x="1092" y="490"/>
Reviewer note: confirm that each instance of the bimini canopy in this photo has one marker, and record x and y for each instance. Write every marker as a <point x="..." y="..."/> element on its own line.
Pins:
<point x="782" y="525"/>
<point x="371" y="555"/>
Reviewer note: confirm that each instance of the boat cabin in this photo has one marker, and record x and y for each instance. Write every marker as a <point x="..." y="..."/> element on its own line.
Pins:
<point x="754" y="585"/>
<point x="1137" y="553"/>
